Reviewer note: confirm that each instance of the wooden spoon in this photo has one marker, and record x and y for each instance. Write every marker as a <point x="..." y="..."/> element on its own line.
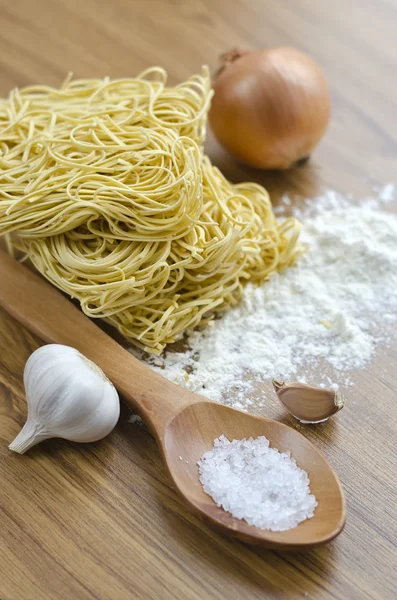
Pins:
<point x="184" y="424"/>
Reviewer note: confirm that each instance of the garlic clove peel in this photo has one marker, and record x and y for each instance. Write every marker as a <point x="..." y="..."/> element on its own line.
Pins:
<point x="308" y="404"/>
<point x="68" y="396"/>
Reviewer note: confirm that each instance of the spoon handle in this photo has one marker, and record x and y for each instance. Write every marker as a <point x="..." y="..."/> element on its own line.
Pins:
<point x="50" y="315"/>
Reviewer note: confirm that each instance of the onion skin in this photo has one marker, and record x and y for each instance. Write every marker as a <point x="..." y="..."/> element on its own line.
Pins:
<point x="270" y="108"/>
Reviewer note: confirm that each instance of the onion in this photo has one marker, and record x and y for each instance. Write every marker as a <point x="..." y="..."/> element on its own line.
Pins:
<point x="270" y="107"/>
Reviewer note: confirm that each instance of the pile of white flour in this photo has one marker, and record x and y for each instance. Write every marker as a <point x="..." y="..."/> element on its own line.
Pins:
<point x="331" y="309"/>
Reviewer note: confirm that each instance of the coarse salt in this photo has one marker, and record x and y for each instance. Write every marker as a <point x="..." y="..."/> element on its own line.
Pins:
<point x="257" y="483"/>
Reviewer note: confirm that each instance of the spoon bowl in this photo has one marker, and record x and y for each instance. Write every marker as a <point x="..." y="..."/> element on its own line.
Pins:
<point x="193" y="431"/>
<point x="184" y="424"/>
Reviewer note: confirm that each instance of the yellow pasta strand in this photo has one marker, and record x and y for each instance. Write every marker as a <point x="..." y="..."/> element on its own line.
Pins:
<point x="105" y="189"/>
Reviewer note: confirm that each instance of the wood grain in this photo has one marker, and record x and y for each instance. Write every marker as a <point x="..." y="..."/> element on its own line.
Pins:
<point x="184" y="424"/>
<point x="102" y="521"/>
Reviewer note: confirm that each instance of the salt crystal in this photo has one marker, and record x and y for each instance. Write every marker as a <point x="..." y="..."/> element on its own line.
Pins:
<point x="257" y="483"/>
<point x="387" y="193"/>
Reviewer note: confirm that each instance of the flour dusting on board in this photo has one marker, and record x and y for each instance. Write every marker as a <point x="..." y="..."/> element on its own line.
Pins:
<point x="332" y="309"/>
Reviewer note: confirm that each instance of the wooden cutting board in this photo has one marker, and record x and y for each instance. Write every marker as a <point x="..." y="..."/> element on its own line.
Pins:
<point x="101" y="521"/>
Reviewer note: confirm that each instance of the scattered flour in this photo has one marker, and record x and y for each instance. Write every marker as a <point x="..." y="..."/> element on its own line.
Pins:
<point x="256" y="483"/>
<point x="330" y="310"/>
<point x="135" y="420"/>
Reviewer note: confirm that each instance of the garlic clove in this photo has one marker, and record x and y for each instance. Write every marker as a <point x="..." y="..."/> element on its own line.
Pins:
<point x="68" y="396"/>
<point x="308" y="404"/>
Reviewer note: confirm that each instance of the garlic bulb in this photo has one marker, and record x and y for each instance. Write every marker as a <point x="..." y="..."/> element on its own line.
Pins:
<point x="68" y="396"/>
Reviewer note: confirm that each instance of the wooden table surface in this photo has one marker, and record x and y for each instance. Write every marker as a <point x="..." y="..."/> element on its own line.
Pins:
<point x="101" y="521"/>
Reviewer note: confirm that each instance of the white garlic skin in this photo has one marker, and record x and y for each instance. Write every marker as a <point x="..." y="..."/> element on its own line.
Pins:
<point x="68" y="396"/>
